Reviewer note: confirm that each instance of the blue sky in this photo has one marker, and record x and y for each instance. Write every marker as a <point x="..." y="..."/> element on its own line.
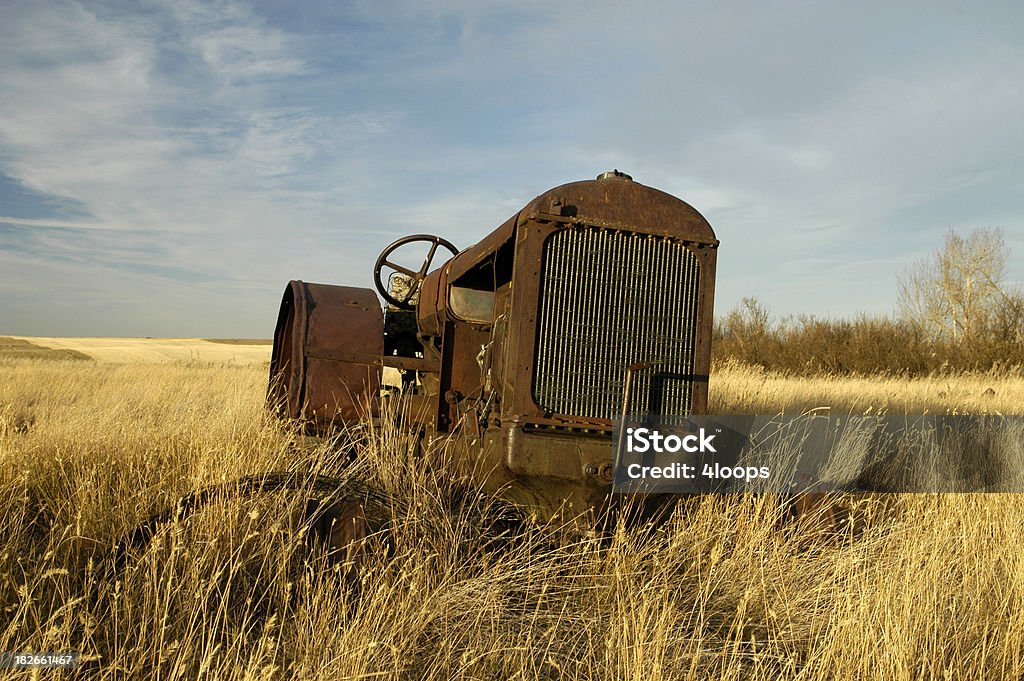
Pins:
<point x="166" y="167"/>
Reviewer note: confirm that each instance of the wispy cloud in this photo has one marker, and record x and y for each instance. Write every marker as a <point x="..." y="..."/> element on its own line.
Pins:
<point x="209" y="151"/>
<point x="47" y="222"/>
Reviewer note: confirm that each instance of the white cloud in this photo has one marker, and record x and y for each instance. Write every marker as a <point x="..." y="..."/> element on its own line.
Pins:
<point x="234" y="42"/>
<point x="223" y="143"/>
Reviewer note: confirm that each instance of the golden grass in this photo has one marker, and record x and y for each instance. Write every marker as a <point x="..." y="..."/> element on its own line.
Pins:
<point x="129" y="350"/>
<point x="929" y="586"/>
<point x="241" y="341"/>
<point x="743" y="389"/>
<point x="23" y="349"/>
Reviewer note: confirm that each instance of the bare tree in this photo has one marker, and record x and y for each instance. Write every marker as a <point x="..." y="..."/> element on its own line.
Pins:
<point x="956" y="292"/>
<point x="1007" y="324"/>
<point x="749" y="319"/>
<point x="747" y="328"/>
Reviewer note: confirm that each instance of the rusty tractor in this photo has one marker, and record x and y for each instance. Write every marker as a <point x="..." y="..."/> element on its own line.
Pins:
<point x="523" y="350"/>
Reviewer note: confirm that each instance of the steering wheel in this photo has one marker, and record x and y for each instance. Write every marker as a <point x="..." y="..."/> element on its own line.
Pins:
<point x="416" y="278"/>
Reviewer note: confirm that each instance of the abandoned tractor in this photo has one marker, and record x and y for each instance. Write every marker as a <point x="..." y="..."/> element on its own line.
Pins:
<point x="522" y="351"/>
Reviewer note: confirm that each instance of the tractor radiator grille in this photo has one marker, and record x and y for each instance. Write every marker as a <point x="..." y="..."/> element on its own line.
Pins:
<point x="610" y="299"/>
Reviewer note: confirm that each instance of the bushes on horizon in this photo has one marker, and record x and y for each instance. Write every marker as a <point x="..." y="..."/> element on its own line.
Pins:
<point x="866" y="345"/>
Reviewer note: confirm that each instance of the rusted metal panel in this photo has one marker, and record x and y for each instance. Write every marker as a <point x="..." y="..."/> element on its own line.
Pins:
<point x="522" y="323"/>
<point x="705" y="311"/>
<point x="430" y="315"/>
<point x="564" y="456"/>
<point x="326" y="363"/>
<point x="423" y="364"/>
<point x="554" y="478"/>
<point x="620" y="203"/>
<point x="461" y="378"/>
<point x="284" y="392"/>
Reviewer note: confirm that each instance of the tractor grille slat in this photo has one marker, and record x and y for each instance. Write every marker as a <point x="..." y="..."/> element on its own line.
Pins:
<point x="610" y="299"/>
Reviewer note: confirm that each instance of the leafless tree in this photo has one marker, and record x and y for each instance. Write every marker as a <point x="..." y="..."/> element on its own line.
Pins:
<point x="749" y="319"/>
<point x="957" y="293"/>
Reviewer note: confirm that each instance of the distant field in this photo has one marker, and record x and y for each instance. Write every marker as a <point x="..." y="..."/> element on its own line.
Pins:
<point x="241" y="341"/>
<point x="128" y="350"/>
<point x="21" y="348"/>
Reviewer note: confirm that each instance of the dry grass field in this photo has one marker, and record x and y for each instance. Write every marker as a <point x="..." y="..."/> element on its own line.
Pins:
<point x="124" y="350"/>
<point x="924" y="586"/>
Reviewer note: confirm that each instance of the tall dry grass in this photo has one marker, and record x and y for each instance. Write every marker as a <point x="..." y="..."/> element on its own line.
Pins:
<point x="924" y="586"/>
<point x="737" y="388"/>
